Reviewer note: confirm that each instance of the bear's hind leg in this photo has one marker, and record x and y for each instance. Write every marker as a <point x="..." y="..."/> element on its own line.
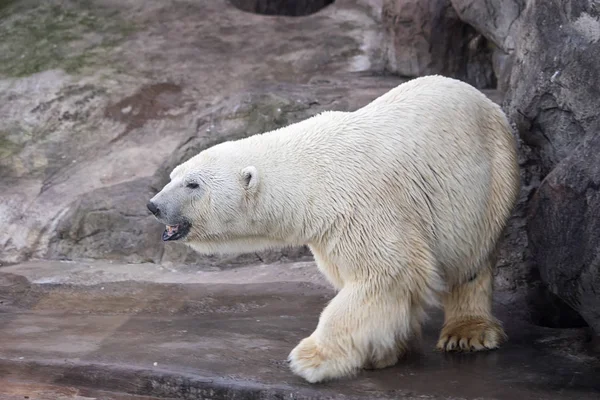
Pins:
<point x="359" y="323"/>
<point x="469" y="324"/>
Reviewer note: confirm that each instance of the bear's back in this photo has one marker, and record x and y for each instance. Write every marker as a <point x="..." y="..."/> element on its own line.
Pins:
<point x="434" y="153"/>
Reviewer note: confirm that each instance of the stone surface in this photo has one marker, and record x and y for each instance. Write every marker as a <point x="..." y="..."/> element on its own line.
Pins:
<point x="145" y="330"/>
<point x="101" y="97"/>
<point x="564" y="230"/>
<point x="556" y="79"/>
<point x="109" y="223"/>
<point x="553" y="100"/>
<point x="427" y="37"/>
<point x="18" y="389"/>
<point x="499" y="22"/>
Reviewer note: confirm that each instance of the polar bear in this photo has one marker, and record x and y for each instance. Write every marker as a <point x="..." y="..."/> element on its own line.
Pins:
<point x="402" y="202"/>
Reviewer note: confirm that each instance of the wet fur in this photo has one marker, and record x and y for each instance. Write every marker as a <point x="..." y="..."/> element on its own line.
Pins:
<point x="402" y="203"/>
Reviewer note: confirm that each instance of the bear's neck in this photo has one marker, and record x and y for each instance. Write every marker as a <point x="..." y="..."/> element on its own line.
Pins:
<point x="287" y="202"/>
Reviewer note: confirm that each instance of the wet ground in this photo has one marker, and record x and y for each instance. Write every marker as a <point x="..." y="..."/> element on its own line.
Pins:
<point x="140" y="332"/>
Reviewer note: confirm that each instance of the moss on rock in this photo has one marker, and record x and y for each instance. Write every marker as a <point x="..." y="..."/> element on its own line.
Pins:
<point x="38" y="36"/>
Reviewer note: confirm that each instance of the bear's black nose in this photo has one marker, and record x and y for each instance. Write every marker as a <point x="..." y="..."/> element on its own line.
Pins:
<point x="152" y="207"/>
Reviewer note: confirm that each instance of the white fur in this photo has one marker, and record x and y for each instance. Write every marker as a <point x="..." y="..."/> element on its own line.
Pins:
<point x="399" y="201"/>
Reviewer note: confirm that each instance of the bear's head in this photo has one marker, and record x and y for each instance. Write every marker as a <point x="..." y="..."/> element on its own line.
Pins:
<point x="209" y="200"/>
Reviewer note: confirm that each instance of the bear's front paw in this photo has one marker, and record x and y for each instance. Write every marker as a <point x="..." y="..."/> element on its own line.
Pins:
<point x="316" y="363"/>
<point x="382" y="362"/>
<point x="385" y="358"/>
<point x="471" y="334"/>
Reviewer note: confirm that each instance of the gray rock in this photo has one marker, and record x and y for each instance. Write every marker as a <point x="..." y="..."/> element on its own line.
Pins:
<point x="109" y="223"/>
<point x="428" y="37"/>
<point x="95" y="97"/>
<point x="555" y="84"/>
<point x="178" y="333"/>
<point x="497" y="20"/>
<point x="564" y="230"/>
<point x="554" y="98"/>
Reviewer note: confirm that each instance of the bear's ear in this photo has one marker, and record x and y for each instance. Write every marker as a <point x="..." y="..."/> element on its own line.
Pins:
<point x="174" y="172"/>
<point x="250" y="178"/>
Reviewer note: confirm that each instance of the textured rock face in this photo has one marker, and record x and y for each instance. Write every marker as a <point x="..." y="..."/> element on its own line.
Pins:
<point x="498" y="21"/>
<point x="427" y="37"/>
<point x="564" y="230"/>
<point x="108" y="223"/>
<point x="554" y="101"/>
<point x="88" y="118"/>
<point x="556" y="79"/>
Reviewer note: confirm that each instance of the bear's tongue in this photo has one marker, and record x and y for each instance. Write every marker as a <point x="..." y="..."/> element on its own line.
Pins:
<point x="170" y="231"/>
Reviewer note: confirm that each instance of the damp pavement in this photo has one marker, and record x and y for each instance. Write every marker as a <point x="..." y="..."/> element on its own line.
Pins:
<point x="101" y="330"/>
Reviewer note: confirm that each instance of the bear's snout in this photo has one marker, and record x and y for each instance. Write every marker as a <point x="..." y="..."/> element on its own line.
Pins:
<point x="153" y="208"/>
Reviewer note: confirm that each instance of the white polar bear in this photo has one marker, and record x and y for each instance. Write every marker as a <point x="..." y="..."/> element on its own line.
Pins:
<point x="402" y="203"/>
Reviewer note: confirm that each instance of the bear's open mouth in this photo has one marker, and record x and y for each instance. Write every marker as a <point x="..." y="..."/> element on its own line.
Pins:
<point x="175" y="232"/>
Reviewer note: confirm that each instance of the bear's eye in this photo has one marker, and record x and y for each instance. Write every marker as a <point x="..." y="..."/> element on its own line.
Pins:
<point x="192" y="185"/>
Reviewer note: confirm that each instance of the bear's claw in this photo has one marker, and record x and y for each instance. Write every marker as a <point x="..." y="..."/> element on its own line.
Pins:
<point x="471" y="334"/>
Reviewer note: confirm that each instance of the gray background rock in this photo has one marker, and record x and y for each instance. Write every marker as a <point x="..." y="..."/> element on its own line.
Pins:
<point x="107" y="99"/>
<point x="427" y="37"/>
<point x="564" y="230"/>
<point x="554" y="98"/>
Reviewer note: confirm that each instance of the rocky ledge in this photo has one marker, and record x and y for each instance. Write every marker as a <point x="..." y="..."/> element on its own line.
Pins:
<point x="147" y="330"/>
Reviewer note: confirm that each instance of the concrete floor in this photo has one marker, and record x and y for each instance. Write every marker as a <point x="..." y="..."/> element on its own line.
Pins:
<point x="140" y="332"/>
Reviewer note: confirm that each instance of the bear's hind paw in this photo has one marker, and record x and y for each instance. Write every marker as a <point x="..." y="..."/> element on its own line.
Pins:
<point x="471" y="334"/>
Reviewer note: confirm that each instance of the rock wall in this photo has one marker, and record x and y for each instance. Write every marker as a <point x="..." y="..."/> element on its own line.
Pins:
<point x="428" y="37"/>
<point x="115" y="90"/>
<point x="553" y="98"/>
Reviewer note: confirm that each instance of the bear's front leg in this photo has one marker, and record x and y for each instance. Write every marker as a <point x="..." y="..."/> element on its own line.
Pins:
<point x="363" y="326"/>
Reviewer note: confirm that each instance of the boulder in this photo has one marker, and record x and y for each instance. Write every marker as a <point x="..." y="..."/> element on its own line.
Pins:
<point x="108" y="223"/>
<point x="95" y="98"/>
<point x="564" y="230"/>
<point x="497" y="20"/>
<point x="553" y="98"/>
<point x="428" y="37"/>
